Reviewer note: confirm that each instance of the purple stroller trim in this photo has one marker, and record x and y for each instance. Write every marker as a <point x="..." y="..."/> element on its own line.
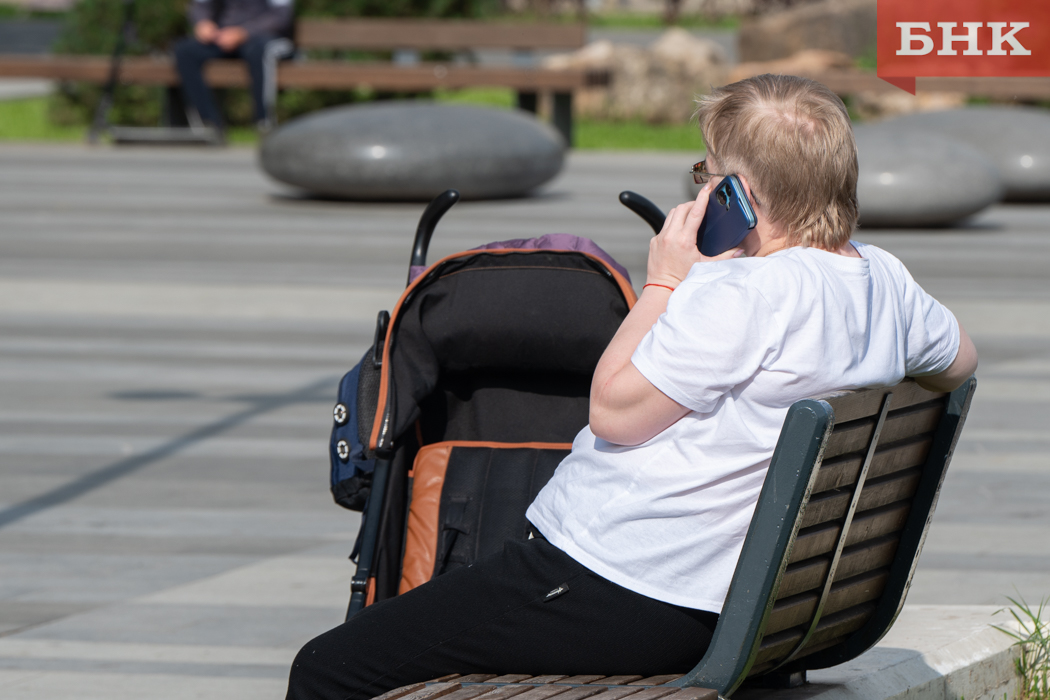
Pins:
<point x="550" y="241"/>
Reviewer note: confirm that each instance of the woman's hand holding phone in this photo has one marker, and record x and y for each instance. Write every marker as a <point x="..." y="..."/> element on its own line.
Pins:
<point x="673" y="252"/>
<point x="626" y="409"/>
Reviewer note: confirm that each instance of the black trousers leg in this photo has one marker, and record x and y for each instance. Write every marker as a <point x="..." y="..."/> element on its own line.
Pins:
<point x="496" y="617"/>
<point x="190" y="57"/>
<point x="253" y="52"/>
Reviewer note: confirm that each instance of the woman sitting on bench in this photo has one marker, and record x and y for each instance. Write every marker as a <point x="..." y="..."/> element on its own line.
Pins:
<point x="638" y="533"/>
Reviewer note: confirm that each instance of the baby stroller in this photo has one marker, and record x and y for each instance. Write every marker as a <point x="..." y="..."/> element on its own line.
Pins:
<point x="476" y="385"/>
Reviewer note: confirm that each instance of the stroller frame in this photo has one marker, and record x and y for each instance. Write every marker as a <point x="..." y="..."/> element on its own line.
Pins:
<point x="381" y="432"/>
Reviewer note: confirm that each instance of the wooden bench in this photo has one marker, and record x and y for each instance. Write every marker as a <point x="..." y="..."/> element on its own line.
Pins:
<point x="827" y="561"/>
<point x="843" y="82"/>
<point x="408" y="37"/>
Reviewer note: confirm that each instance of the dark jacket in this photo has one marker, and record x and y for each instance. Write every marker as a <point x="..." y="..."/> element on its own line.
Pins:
<point x="274" y="17"/>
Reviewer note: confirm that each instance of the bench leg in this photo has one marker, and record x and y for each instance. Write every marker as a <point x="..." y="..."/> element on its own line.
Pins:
<point x="173" y="111"/>
<point x="778" y="680"/>
<point x="275" y="51"/>
<point x="561" y="117"/>
<point x="528" y="101"/>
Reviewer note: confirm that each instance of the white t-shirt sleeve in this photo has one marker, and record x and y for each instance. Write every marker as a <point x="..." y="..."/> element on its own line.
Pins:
<point x="932" y="331"/>
<point x="713" y="337"/>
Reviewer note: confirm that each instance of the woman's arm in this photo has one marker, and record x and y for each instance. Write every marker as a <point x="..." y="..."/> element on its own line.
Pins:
<point x="964" y="365"/>
<point x="626" y="409"/>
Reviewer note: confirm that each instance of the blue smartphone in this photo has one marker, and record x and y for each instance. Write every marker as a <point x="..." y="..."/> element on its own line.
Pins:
<point x="728" y="219"/>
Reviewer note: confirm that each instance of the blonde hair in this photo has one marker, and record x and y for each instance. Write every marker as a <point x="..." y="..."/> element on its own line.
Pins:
<point x="791" y="138"/>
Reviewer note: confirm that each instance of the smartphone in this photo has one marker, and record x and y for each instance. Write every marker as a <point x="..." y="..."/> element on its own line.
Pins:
<point x="728" y="219"/>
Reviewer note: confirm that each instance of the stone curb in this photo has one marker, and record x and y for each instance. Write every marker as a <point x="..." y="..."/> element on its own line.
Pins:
<point x="933" y="652"/>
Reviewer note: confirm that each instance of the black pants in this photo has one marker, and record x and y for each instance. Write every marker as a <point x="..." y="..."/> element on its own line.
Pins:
<point x="190" y="57"/>
<point x="502" y="615"/>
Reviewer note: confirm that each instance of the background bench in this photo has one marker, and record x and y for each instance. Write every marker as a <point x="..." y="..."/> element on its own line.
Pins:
<point x="827" y="561"/>
<point x="407" y="38"/>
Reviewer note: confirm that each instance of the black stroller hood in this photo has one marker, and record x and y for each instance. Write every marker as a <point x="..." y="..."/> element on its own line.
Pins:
<point x="537" y="312"/>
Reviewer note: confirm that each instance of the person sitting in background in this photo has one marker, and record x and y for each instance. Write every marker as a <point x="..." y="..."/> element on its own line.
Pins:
<point x="257" y="31"/>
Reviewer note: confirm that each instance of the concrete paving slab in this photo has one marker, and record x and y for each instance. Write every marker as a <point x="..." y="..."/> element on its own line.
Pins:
<point x="287" y="579"/>
<point x="31" y="685"/>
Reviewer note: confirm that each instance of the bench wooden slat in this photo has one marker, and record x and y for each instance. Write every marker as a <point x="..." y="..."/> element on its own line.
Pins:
<point x="542" y="692"/>
<point x="306" y="75"/>
<point x="634" y="692"/>
<point x="832" y="505"/>
<point x="889" y="458"/>
<point x="657" y="680"/>
<point x="542" y="680"/>
<point x="866" y="557"/>
<point x="503" y="692"/>
<point x="775" y="646"/>
<point x="509" y="678"/>
<point x="821" y="539"/>
<point x="617" y="680"/>
<point x="476" y="677"/>
<point x="809" y="575"/>
<point x="425" y="76"/>
<point x="400" y="692"/>
<point x="798" y="610"/>
<point x="582" y="691"/>
<point x="900" y="424"/>
<point x="853" y="405"/>
<point x="437" y="35"/>
<point x="434" y="691"/>
<point x="843" y="82"/>
<point x="469" y="692"/>
<point x="579" y="680"/>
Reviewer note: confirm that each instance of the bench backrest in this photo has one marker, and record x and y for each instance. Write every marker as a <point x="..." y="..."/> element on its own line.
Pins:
<point x="836" y="533"/>
<point x="368" y="34"/>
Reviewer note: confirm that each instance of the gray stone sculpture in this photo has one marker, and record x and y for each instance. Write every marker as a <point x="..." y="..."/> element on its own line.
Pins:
<point x="914" y="178"/>
<point x="1014" y="139"/>
<point x="413" y="151"/>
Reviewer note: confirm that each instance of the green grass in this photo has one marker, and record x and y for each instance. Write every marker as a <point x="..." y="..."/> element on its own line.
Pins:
<point x="1033" y="639"/>
<point x="502" y="98"/>
<point x="26" y="120"/>
<point x="637" y="136"/>
<point x="16" y="12"/>
<point x="867" y="61"/>
<point x="633" y="135"/>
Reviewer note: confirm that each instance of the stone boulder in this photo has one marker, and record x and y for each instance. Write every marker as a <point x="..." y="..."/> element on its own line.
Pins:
<point x="915" y="179"/>
<point x="1016" y="140"/>
<point x="413" y="151"/>
<point x="652" y="84"/>
<point x="847" y="26"/>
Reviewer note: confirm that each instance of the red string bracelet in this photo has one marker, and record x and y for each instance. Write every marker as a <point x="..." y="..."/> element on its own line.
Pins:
<point x="654" y="284"/>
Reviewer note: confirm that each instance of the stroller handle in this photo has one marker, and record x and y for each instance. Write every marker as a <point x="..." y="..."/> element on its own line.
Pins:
<point x="428" y="222"/>
<point x="641" y="206"/>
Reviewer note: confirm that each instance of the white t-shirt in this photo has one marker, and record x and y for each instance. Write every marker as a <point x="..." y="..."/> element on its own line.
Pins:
<point x="741" y="341"/>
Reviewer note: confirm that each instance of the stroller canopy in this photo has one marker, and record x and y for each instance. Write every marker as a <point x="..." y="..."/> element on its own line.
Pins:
<point x="492" y="342"/>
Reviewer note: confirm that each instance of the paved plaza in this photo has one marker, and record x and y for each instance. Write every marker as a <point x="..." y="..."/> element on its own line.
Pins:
<point x="172" y="329"/>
